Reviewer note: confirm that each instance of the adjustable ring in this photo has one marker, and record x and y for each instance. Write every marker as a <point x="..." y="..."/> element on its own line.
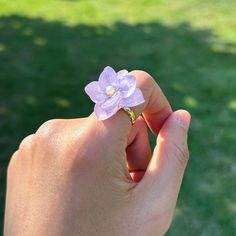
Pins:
<point x="131" y="114"/>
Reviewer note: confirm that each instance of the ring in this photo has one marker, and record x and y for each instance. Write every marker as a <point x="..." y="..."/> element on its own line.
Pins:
<point x="112" y="91"/>
<point x="131" y="114"/>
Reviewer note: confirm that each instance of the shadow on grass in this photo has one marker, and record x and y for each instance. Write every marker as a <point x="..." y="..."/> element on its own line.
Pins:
<point x="44" y="67"/>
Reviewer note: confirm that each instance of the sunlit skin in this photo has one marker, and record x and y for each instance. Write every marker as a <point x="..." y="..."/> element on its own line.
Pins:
<point x="88" y="177"/>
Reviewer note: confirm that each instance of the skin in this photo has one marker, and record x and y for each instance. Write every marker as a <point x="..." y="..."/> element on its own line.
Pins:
<point x="88" y="177"/>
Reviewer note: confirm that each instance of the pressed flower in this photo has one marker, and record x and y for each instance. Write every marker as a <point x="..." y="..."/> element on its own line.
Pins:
<point x="112" y="91"/>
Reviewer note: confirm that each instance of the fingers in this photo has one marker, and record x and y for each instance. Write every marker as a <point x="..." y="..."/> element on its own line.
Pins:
<point x="138" y="150"/>
<point x="114" y="131"/>
<point x="165" y="172"/>
<point x="156" y="108"/>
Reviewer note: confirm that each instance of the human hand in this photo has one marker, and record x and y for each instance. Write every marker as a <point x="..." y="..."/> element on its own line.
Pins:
<point x="89" y="177"/>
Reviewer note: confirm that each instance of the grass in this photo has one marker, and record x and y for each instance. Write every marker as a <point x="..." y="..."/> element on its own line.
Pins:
<point x="50" y="49"/>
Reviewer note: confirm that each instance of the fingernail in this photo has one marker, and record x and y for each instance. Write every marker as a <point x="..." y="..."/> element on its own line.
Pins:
<point x="183" y="118"/>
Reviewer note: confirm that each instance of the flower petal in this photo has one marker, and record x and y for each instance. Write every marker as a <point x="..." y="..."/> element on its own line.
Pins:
<point x="104" y="113"/>
<point x="95" y="92"/>
<point x="108" y="78"/>
<point x="135" y="99"/>
<point x="127" y="85"/>
<point x="122" y="73"/>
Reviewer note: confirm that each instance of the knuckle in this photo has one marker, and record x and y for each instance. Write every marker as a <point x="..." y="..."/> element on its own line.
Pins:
<point x="26" y="142"/>
<point x="49" y="128"/>
<point x="181" y="152"/>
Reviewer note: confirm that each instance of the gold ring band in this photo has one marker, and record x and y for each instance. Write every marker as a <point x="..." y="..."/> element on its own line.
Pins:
<point x="130" y="113"/>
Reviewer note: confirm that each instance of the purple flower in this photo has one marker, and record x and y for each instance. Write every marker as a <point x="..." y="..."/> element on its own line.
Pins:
<point x="113" y="91"/>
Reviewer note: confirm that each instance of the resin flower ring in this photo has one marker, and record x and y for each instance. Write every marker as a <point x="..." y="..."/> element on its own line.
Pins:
<point x="114" y="91"/>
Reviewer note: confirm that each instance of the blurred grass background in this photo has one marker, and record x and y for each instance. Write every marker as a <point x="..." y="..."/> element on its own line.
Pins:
<point x="50" y="49"/>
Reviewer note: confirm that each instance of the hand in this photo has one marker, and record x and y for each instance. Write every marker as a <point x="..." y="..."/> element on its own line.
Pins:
<point x="87" y="177"/>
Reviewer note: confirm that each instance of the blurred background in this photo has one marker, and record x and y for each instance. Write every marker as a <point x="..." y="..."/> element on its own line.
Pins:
<point x="49" y="50"/>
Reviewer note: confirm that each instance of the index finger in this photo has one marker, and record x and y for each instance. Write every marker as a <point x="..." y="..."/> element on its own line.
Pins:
<point x="156" y="108"/>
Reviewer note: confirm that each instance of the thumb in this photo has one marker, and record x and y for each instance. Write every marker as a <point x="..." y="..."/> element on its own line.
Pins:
<point x="165" y="172"/>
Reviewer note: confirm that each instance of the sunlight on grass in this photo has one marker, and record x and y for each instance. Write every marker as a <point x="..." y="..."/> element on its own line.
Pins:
<point x="16" y="25"/>
<point x="27" y="31"/>
<point x="40" y="41"/>
<point x="231" y="205"/>
<point x="30" y="99"/>
<point x="2" y="47"/>
<point x="178" y="212"/>
<point x="232" y="104"/>
<point x="224" y="47"/>
<point x="190" y="102"/>
<point x="62" y="102"/>
<point x="178" y="86"/>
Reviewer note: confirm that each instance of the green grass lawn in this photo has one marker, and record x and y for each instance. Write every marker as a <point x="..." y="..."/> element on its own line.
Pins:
<point x="50" y="49"/>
